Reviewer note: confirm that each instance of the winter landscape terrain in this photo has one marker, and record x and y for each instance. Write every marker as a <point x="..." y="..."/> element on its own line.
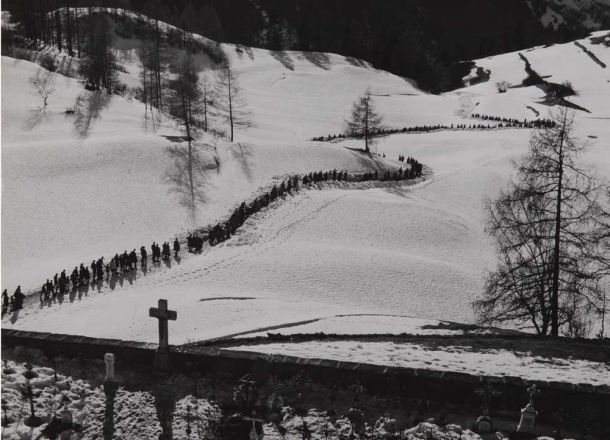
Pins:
<point x="90" y="176"/>
<point x="74" y="191"/>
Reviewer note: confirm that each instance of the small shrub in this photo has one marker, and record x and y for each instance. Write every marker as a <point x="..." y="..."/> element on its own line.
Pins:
<point x="568" y="90"/>
<point x="502" y="86"/>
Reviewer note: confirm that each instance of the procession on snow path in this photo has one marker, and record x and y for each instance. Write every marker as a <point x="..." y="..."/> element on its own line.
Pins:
<point x="125" y="264"/>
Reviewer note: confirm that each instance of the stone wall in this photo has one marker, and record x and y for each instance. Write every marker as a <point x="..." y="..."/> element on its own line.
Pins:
<point x="443" y="387"/>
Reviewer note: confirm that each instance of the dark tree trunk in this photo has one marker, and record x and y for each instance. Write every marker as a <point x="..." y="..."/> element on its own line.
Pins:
<point x="77" y="31"/>
<point x="557" y="247"/>
<point x="69" y="32"/>
<point x="58" y="30"/>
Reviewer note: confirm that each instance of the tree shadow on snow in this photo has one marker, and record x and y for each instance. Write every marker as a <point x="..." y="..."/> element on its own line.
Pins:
<point x="241" y="49"/>
<point x="34" y="118"/>
<point x="110" y="390"/>
<point x="87" y="109"/>
<point x="188" y="174"/>
<point x="284" y="58"/>
<point x="356" y="62"/>
<point x="318" y="59"/>
<point x="165" y="404"/>
<point x="366" y="160"/>
<point x="244" y="154"/>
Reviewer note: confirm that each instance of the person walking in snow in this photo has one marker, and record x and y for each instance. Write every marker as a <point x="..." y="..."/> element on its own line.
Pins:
<point x="176" y="247"/>
<point x="50" y="288"/>
<point x="62" y="283"/>
<point x="18" y="298"/>
<point x="74" y="278"/>
<point x="100" y="268"/>
<point x="143" y="254"/>
<point x="133" y="260"/>
<point x="5" y="302"/>
<point x="112" y="266"/>
<point x="153" y="251"/>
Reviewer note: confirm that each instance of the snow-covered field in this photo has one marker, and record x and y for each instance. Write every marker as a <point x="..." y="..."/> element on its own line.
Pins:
<point x="479" y="362"/>
<point x="75" y="187"/>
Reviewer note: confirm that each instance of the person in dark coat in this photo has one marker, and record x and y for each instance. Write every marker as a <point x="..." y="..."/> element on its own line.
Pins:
<point x="100" y="268"/>
<point x="74" y="278"/>
<point x="18" y="299"/>
<point x="143" y="254"/>
<point x="133" y="259"/>
<point x="176" y="247"/>
<point x="5" y="302"/>
<point x="124" y="261"/>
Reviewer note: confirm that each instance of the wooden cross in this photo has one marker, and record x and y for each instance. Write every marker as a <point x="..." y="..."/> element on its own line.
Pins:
<point x="163" y="315"/>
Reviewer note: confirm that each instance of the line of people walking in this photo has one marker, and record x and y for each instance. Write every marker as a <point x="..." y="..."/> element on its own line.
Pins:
<point x="13" y="302"/>
<point x="99" y="271"/>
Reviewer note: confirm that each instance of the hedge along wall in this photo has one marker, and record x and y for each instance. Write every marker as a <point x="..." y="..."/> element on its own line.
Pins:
<point x="440" y="386"/>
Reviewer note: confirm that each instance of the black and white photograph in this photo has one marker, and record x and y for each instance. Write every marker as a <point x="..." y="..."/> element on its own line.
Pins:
<point x="305" y="219"/>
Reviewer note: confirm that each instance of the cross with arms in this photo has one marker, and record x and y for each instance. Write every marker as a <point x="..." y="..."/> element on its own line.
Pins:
<point x="163" y="315"/>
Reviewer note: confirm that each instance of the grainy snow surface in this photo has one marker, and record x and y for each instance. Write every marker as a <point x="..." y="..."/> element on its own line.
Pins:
<point x="478" y="362"/>
<point x="79" y="186"/>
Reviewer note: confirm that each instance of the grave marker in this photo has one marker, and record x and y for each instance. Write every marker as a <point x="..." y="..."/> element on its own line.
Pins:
<point x="528" y="414"/>
<point x="163" y="314"/>
<point x="109" y="359"/>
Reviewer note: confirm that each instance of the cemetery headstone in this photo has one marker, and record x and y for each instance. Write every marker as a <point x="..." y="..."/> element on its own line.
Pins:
<point x="109" y="360"/>
<point x="528" y="414"/>
<point x="484" y="425"/>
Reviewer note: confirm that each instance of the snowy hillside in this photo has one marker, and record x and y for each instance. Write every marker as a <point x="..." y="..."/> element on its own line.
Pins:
<point x="79" y="186"/>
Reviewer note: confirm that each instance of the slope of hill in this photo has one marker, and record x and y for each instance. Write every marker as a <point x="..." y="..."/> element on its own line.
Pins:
<point x="385" y="248"/>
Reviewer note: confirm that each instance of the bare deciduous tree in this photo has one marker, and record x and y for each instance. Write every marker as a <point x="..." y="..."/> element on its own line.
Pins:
<point x="552" y="233"/>
<point x="207" y="100"/>
<point x="184" y="103"/>
<point x="230" y="102"/>
<point x="42" y="86"/>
